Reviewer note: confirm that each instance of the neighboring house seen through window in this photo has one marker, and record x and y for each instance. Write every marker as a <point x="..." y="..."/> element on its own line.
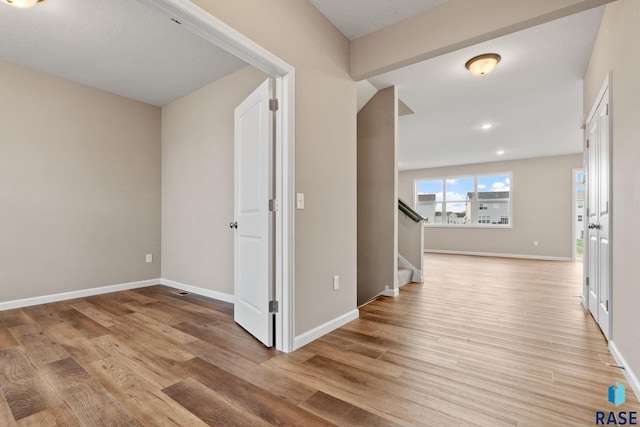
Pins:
<point x="467" y="200"/>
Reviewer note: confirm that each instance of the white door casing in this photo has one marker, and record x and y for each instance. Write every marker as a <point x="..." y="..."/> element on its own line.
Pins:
<point x="592" y="253"/>
<point x="598" y="254"/>
<point x="253" y="266"/>
<point x="208" y="27"/>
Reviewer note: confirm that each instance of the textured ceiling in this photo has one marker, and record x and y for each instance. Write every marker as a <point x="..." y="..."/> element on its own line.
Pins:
<point x="356" y="18"/>
<point x="533" y="99"/>
<point x="120" y="46"/>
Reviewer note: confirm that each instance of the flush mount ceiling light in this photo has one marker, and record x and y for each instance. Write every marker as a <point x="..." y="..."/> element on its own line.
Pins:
<point x="23" y="4"/>
<point x="487" y="126"/>
<point x="482" y="64"/>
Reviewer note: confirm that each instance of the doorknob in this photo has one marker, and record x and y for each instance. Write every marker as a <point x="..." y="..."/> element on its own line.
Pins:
<point x="233" y="224"/>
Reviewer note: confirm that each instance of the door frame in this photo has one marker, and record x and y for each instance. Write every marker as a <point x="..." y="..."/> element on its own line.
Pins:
<point x="212" y="29"/>
<point x="606" y="88"/>
<point x="574" y="210"/>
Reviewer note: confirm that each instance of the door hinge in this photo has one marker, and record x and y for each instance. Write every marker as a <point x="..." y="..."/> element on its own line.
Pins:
<point x="587" y="143"/>
<point x="273" y="306"/>
<point x="273" y="104"/>
<point x="607" y="306"/>
<point x="587" y="212"/>
<point x="607" y="109"/>
<point x="587" y="282"/>
<point x="274" y="205"/>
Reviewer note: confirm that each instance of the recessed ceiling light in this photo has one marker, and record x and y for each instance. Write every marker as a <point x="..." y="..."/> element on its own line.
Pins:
<point x="500" y="152"/>
<point x="487" y="126"/>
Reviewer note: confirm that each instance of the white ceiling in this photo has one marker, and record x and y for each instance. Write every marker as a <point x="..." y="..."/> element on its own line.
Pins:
<point x="356" y="18"/>
<point x="533" y="99"/>
<point x="120" y="46"/>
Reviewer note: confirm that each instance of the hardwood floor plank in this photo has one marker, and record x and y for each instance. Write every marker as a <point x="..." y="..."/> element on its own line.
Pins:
<point x="134" y="297"/>
<point x="38" y="346"/>
<point x="351" y="346"/>
<point x="250" y="398"/>
<point x="147" y="341"/>
<point x="64" y="374"/>
<point x="6" y="416"/>
<point x="96" y="314"/>
<point x="170" y="314"/>
<point x="276" y="383"/>
<point x="141" y="322"/>
<point x="368" y="364"/>
<point x="6" y="339"/>
<point x="444" y="405"/>
<point x="213" y="306"/>
<point x="398" y="411"/>
<point x="207" y="405"/>
<point x="74" y="342"/>
<point x="141" y="396"/>
<point x="58" y="416"/>
<point x="43" y="315"/>
<point x="24" y="391"/>
<point x="243" y="344"/>
<point x="93" y="406"/>
<point x="114" y="304"/>
<point x="153" y="367"/>
<point x="342" y="413"/>
<point x="162" y="294"/>
<point x="82" y="323"/>
<point x="17" y="317"/>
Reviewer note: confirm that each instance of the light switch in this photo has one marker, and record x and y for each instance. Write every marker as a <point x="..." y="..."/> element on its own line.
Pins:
<point x="299" y="200"/>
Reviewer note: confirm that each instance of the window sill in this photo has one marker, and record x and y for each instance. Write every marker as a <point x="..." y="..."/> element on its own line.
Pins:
<point x="485" y="226"/>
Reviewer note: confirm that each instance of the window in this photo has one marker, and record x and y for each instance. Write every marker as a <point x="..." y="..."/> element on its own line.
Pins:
<point x="466" y="200"/>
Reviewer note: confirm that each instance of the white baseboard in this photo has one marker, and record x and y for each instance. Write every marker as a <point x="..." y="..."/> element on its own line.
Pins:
<point x="417" y="273"/>
<point x="45" y="299"/>
<point x="491" y="254"/>
<point x="631" y="376"/>
<point x="220" y="296"/>
<point x="389" y="292"/>
<point x="325" y="328"/>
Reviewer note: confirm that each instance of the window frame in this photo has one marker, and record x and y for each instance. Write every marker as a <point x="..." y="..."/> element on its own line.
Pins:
<point x="475" y="203"/>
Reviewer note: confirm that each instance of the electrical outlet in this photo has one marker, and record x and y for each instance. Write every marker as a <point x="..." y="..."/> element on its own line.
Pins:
<point x="149" y="257"/>
<point x="299" y="200"/>
<point x="336" y="283"/>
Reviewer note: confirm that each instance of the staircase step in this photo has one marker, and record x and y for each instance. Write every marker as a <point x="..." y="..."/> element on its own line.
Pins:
<point x="405" y="276"/>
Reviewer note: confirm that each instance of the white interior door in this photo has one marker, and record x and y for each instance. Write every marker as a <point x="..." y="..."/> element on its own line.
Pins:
<point x="252" y="243"/>
<point x="598" y="214"/>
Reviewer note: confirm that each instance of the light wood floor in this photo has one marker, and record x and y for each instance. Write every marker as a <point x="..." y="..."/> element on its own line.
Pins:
<point x="484" y="341"/>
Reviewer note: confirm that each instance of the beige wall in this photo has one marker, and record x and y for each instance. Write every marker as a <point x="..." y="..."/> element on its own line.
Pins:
<point x="197" y="182"/>
<point x="616" y="50"/>
<point x="377" y="195"/>
<point x="80" y="194"/>
<point x="325" y="146"/>
<point x="451" y="26"/>
<point x="542" y="211"/>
